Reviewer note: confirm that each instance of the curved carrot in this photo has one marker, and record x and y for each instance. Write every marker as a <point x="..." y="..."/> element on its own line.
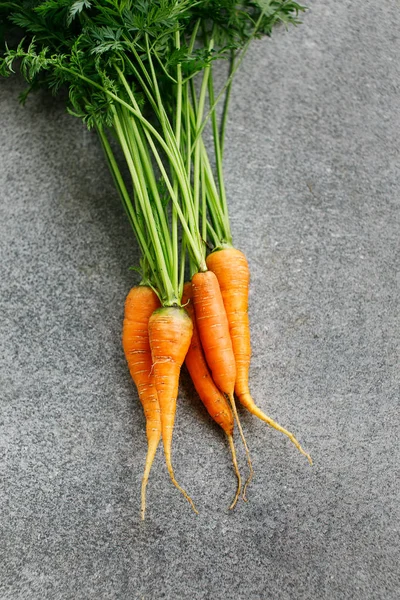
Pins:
<point x="212" y="398"/>
<point x="231" y="269"/>
<point x="140" y="303"/>
<point x="170" y="332"/>
<point x="212" y="324"/>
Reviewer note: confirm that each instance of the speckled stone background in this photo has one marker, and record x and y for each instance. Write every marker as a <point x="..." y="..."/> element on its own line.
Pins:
<point x="312" y="172"/>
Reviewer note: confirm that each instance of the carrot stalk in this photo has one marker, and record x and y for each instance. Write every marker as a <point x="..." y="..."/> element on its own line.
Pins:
<point x="212" y="398"/>
<point x="232" y="272"/>
<point x="170" y="332"/>
<point x="213" y="327"/>
<point x="140" y="303"/>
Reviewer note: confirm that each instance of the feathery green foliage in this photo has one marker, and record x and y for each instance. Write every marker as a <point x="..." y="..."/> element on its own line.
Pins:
<point x="129" y="69"/>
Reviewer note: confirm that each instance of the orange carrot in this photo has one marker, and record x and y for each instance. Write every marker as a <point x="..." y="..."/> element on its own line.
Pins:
<point x="232" y="271"/>
<point x="170" y="332"/>
<point x="140" y="303"/>
<point x="212" y="398"/>
<point x="213" y="327"/>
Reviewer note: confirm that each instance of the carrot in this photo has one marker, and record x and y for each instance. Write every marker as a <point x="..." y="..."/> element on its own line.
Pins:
<point x="231" y="269"/>
<point x="212" y="398"/>
<point x="170" y="332"/>
<point x="212" y="323"/>
<point x="213" y="327"/>
<point x="140" y="303"/>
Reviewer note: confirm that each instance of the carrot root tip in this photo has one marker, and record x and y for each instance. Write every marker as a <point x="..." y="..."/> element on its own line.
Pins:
<point x="186" y="495"/>
<point x="237" y="472"/>
<point x="249" y="403"/>
<point x="250" y="477"/>
<point x="182" y="491"/>
<point x="249" y="462"/>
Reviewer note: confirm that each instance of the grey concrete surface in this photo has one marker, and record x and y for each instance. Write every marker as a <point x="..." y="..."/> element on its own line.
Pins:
<point x="312" y="171"/>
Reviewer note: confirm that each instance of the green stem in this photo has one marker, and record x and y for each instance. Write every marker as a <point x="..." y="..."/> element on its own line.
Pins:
<point x="126" y="202"/>
<point x="220" y="222"/>
<point x="148" y="169"/>
<point x="178" y="120"/>
<point x="197" y="149"/>
<point x="162" y="116"/>
<point x="215" y="239"/>
<point x="178" y="166"/>
<point x="182" y="266"/>
<point x="224" y="115"/>
<point x="235" y="67"/>
<point x="218" y="159"/>
<point x="167" y="288"/>
<point x="203" y="205"/>
<point x="131" y="136"/>
<point x="185" y="220"/>
<point x="174" y="156"/>
<point x="188" y="132"/>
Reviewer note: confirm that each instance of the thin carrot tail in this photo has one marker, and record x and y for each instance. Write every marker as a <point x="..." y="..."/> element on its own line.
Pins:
<point x="176" y="484"/>
<point x="248" y="403"/>
<point x="167" y="440"/>
<point x="236" y="468"/>
<point x="250" y="464"/>
<point x="167" y="428"/>
<point x="151" y="452"/>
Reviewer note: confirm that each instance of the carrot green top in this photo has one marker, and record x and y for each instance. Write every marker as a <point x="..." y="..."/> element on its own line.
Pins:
<point x="129" y="68"/>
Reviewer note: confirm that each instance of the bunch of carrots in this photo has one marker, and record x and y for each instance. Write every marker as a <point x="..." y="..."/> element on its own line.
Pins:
<point x="141" y="74"/>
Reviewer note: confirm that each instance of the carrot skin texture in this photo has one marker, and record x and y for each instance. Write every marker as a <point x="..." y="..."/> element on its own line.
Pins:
<point x="213" y="327"/>
<point x="212" y="398"/>
<point x="232" y="271"/>
<point x="170" y="333"/>
<point x="140" y="303"/>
